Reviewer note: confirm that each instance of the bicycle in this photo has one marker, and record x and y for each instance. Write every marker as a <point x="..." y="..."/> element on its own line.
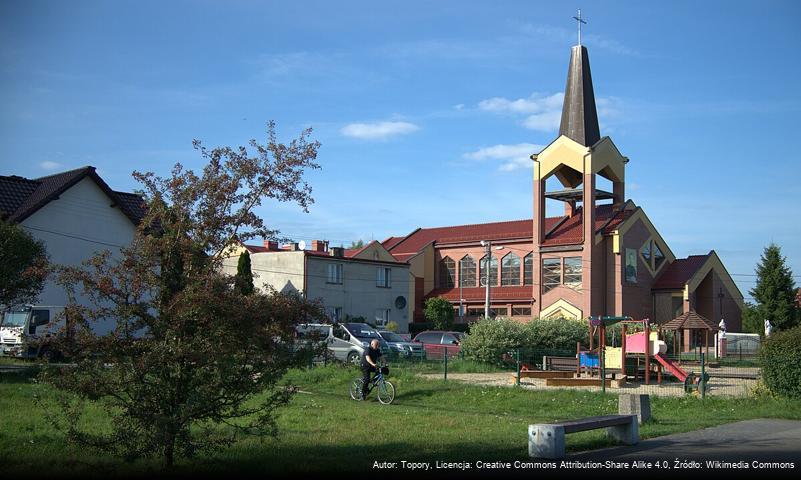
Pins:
<point x="386" y="390"/>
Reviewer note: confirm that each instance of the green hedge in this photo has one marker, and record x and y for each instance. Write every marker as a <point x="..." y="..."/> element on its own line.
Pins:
<point x="780" y="356"/>
<point x="490" y="339"/>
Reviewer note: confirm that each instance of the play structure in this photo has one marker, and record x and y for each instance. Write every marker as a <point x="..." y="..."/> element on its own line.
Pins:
<point x="640" y="348"/>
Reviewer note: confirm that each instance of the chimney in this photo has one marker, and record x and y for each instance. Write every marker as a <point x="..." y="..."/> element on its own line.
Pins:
<point x="337" y="252"/>
<point x="570" y="209"/>
<point x="271" y="245"/>
<point x="319" y="246"/>
<point x="292" y="247"/>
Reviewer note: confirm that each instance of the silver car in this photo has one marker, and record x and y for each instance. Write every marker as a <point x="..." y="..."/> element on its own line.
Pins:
<point x="399" y="346"/>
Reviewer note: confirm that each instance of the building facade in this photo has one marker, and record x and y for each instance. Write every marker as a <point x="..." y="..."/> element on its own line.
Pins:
<point x="601" y="256"/>
<point x="366" y="283"/>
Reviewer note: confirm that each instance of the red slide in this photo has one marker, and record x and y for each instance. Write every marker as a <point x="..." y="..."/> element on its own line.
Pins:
<point x="671" y="367"/>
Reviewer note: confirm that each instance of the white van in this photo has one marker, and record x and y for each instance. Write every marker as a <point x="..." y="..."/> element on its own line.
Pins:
<point x="346" y="341"/>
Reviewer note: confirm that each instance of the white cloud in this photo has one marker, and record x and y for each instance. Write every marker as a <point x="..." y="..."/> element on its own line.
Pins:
<point x="544" y="122"/>
<point x="379" y="130"/>
<point x="48" y="165"/>
<point x="536" y="103"/>
<point x="512" y="157"/>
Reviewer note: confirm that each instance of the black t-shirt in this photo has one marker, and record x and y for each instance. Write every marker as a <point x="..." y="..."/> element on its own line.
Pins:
<point x="374" y="355"/>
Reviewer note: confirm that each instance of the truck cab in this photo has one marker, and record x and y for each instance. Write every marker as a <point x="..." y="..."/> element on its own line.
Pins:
<point x="23" y="329"/>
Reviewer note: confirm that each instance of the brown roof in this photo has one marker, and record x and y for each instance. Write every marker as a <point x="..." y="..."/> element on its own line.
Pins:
<point x="678" y="273"/>
<point x="566" y="231"/>
<point x="689" y="320"/>
<point x="21" y="197"/>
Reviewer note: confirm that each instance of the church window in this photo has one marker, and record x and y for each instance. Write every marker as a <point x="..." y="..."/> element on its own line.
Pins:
<point x="659" y="257"/>
<point x="521" y="311"/>
<point x="646" y="252"/>
<point x="528" y="269"/>
<point x="493" y="271"/>
<point x="447" y="272"/>
<point x="551" y="273"/>
<point x="467" y="271"/>
<point x="573" y="272"/>
<point x="510" y="270"/>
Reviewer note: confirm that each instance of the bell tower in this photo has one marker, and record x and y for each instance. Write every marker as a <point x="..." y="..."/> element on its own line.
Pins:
<point x="577" y="156"/>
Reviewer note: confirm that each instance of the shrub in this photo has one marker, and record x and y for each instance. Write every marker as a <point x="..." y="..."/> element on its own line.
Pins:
<point x="392" y="326"/>
<point x="439" y="312"/>
<point x="781" y="369"/>
<point x="557" y="334"/>
<point x="490" y="338"/>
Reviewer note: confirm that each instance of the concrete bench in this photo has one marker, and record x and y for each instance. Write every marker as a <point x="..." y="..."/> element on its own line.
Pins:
<point x="547" y="440"/>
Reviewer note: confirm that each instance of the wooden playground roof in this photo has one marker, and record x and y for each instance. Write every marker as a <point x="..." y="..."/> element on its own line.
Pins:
<point x="689" y="321"/>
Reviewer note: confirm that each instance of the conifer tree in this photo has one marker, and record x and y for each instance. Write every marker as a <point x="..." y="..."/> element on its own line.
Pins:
<point x="775" y="289"/>
<point x="244" y="276"/>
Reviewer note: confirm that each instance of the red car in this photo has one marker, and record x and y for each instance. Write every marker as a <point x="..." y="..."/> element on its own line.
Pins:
<point x="437" y="342"/>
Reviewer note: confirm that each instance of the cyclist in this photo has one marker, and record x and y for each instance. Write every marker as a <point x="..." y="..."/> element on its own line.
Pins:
<point x="369" y="364"/>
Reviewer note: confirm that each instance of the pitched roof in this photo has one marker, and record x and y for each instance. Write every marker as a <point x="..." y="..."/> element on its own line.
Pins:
<point x="567" y="231"/>
<point x="22" y="197"/>
<point x="689" y="320"/>
<point x="678" y="273"/>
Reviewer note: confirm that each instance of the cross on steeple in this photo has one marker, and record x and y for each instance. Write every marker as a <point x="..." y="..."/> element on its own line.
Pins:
<point x="579" y="21"/>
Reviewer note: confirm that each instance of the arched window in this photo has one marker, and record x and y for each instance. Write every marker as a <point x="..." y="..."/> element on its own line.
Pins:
<point x="493" y="271"/>
<point x="528" y="269"/>
<point x="447" y="272"/>
<point x="467" y="271"/>
<point x="510" y="270"/>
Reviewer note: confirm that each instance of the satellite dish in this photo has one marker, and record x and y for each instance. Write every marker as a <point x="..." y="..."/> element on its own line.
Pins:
<point x="302" y="245"/>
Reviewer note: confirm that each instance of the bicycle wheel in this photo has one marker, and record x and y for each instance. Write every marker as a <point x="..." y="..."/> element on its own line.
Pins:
<point x="356" y="389"/>
<point x="386" y="392"/>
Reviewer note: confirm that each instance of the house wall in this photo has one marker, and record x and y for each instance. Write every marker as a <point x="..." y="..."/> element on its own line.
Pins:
<point x="282" y="271"/>
<point x="358" y="295"/>
<point x="636" y="297"/>
<point x="78" y="224"/>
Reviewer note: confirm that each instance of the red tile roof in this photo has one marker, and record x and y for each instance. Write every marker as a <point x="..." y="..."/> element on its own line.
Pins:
<point x="567" y="233"/>
<point x="520" y="293"/>
<point x="678" y="273"/>
<point x="21" y="197"/>
<point x="691" y="321"/>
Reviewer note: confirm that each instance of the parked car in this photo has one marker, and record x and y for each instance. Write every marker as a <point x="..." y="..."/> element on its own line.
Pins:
<point x="438" y="342"/>
<point x="399" y="346"/>
<point x="346" y="341"/>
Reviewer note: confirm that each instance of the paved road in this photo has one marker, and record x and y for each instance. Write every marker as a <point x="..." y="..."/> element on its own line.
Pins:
<point x="763" y="440"/>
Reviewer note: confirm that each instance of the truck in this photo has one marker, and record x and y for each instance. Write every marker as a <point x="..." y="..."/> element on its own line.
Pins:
<point x="25" y="329"/>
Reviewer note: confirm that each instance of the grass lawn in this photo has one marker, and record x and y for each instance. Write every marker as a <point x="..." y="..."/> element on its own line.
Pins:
<point x="323" y="430"/>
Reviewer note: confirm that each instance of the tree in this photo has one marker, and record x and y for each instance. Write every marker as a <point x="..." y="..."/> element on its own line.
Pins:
<point x="775" y="289"/>
<point x="23" y="265"/>
<point x="189" y="352"/>
<point x="357" y="244"/>
<point x="439" y="312"/>
<point x="753" y="322"/>
<point x="244" y="276"/>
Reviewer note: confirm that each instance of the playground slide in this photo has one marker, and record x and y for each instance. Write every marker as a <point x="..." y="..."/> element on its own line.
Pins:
<point x="671" y="367"/>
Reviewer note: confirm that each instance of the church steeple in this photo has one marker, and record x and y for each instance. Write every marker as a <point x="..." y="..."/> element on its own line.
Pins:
<point x="579" y="116"/>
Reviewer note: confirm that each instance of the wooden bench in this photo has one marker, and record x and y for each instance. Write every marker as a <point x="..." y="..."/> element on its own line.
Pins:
<point x="547" y="440"/>
<point x="559" y="363"/>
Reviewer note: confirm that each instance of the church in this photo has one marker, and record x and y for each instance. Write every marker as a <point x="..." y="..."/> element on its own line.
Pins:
<point x="601" y="256"/>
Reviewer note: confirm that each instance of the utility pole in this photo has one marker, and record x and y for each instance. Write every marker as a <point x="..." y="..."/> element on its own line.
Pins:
<point x="488" y="255"/>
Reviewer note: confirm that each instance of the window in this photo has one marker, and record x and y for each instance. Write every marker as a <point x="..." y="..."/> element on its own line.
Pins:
<point x="429" y="338"/>
<point x="659" y="257"/>
<point x="551" y="273"/>
<point x="521" y="311"/>
<point x="573" y="272"/>
<point x="493" y="271"/>
<point x="475" y="312"/>
<point x="467" y="271"/>
<point x="447" y="272"/>
<point x="496" y="311"/>
<point x="449" y="339"/>
<point x="510" y="270"/>
<point x="334" y="313"/>
<point x="383" y="277"/>
<point x="334" y="273"/>
<point x="646" y="252"/>
<point x="381" y="317"/>
<point x="528" y="269"/>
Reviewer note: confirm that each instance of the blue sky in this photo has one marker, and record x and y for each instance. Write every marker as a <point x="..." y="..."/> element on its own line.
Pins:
<point x="425" y="110"/>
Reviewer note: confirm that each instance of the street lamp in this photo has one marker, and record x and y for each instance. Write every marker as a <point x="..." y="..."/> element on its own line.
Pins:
<point x="488" y="255"/>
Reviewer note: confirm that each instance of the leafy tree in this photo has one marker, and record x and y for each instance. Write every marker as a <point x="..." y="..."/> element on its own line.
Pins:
<point x="753" y="322"/>
<point x="775" y="289"/>
<point x="357" y="244"/>
<point x="189" y="353"/>
<point x="23" y="265"/>
<point x="439" y="312"/>
<point x="244" y="276"/>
